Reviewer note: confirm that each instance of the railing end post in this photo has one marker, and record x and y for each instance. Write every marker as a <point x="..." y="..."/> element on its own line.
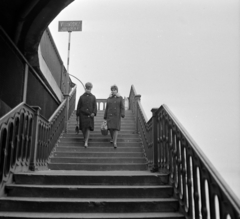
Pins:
<point x="32" y="167"/>
<point x="137" y="97"/>
<point x="155" y="141"/>
<point x="37" y="109"/>
<point x="33" y="155"/>
<point x="153" y="110"/>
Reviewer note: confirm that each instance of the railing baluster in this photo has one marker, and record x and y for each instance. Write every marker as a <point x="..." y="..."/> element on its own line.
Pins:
<point x="170" y="143"/>
<point x="189" y="181"/>
<point x="203" y="179"/>
<point x="155" y="141"/>
<point x="196" y="192"/>
<point x="34" y="150"/>
<point x="184" y="172"/>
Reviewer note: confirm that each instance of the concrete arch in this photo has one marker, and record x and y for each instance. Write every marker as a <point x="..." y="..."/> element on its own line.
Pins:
<point x="24" y="22"/>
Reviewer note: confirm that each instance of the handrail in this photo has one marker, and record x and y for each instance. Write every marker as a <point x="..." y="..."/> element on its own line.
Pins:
<point x="60" y="106"/>
<point x="56" y="112"/>
<point x="16" y="135"/>
<point x="27" y="138"/>
<point x="218" y="178"/>
<point x="200" y="189"/>
<point x="48" y="132"/>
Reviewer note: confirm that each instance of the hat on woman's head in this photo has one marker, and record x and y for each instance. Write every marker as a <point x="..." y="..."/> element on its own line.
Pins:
<point x="114" y="87"/>
<point x="88" y="86"/>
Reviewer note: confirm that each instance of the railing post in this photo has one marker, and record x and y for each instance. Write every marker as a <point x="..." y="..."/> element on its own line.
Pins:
<point x="66" y="96"/>
<point x="34" y="147"/>
<point x="154" y="140"/>
<point x="136" y="99"/>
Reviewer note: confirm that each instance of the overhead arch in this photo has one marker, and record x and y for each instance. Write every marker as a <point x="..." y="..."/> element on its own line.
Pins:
<point x="25" y="21"/>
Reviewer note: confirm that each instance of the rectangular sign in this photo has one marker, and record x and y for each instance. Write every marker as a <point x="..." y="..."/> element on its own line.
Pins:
<point x="69" y="26"/>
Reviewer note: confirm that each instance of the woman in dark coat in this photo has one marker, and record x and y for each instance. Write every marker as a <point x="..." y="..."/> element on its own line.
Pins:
<point x="114" y="111"/>
<point x="86" y="110"/>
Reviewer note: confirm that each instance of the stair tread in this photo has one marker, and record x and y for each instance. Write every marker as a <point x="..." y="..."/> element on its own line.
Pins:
<point x="92" y="186"/>
<point x="91" y="215"/>
<point x="116" y="150"/>
<point x="83" y="200"/>
<point x="103" y="158"/>
<point x="70" y="148"/>
<point x="105" y="164"/>
<point x="91" y="173"/>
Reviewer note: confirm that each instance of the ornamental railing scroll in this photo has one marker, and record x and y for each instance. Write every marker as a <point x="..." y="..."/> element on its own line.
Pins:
<point x="201" y="191"/>
<point x="27" y="138"/>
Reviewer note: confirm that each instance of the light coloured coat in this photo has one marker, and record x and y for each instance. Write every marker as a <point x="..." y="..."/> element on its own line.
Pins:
<point x="114" y="111"/>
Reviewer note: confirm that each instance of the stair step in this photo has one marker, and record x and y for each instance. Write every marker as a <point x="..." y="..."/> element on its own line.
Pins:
<point x="102" y="144"/>
<point x="28" y="204"/>
<point x="98" y="130"/>
<point x="97" y="166"/>
<point x="89" y="154"/>
<point x="99" y="135"/>
<point x="100" y="114"/>
<point x="36" y="215"/>
<point x="98" y="126"/>
<point x="91" y="178"/>
<point x="99" y="160"/>
<point x="79" y="139"/>
<point x="103" y="149"/>
<point x="99" y="120"/>
<point x="71" y="130"/>
<point x="86" y="191"/>
<point x="127" y="119"/>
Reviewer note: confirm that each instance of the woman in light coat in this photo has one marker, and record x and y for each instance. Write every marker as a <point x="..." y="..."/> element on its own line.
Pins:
<point x="114" y="112"/>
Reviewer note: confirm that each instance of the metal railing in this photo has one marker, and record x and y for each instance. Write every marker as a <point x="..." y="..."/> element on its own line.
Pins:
<point x="101" y="104"/>
<point x="201" y="191"/>
<point x="27" y="138"/>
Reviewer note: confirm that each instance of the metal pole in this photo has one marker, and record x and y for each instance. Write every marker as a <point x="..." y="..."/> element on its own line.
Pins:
<point x="69" y="44"/>
<point x="78" y="80"/>
<point x="67" y="84"/>
<point x="68" y="61"/>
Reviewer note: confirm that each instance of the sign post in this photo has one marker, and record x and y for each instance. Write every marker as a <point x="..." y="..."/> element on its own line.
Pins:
<point x="68" y="26"/>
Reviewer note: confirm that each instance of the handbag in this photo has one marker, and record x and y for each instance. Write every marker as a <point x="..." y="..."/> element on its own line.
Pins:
<point x="77" y="127"/>
<point x="104" y="128"/>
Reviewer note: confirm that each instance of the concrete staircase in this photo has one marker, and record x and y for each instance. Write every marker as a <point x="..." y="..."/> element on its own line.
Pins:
<point x="94" y="182"/>
<point x="100" y="155"/>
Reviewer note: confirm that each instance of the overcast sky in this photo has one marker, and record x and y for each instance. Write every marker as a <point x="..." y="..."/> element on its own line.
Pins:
<point x="182" y="53"/>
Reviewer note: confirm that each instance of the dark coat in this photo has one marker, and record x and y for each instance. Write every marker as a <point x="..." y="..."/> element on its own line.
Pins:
<point x="114" y="111"/>
<point x="86" y="106"/>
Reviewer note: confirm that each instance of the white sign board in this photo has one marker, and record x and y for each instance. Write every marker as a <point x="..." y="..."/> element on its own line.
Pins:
<point x="69" y="26"/>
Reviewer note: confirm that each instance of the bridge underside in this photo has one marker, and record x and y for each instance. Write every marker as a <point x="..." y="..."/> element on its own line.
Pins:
<point x="25" y="21"/>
